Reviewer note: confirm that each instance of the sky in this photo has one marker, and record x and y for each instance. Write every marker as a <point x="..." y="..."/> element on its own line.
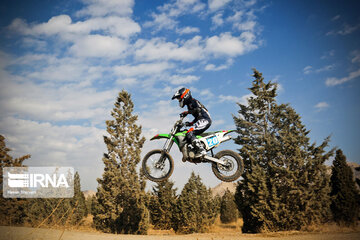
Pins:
<point x="62" y="64"/>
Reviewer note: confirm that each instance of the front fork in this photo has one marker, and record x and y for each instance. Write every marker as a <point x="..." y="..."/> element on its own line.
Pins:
<point x="166" y="149"/>
<point x="168" y="145"/>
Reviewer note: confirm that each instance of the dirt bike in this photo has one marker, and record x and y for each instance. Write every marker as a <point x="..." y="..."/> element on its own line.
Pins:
<point x="158" y="165"/>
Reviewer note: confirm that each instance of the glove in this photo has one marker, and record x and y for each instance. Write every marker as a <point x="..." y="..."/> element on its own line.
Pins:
<point x="184" y="114"/>
<point x="188" y="124"/>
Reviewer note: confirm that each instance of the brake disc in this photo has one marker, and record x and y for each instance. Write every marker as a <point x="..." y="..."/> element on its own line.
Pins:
<point x="228" y="166"/>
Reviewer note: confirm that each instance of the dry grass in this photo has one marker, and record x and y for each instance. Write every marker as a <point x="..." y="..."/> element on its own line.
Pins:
<point x="219" y="227"/>
<point x="332" y="228"/>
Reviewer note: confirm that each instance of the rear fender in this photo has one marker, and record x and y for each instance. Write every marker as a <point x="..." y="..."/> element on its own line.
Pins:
<point x="221" y="137"/>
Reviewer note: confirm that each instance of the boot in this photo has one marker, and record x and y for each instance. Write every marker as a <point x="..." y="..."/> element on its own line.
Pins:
<point x="200" y="149"/>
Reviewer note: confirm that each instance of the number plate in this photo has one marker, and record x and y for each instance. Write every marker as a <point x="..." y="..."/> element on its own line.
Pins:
<point x="212" y="141"/>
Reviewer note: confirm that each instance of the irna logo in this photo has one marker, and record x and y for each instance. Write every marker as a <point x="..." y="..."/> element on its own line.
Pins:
<point x="37" y="180"/>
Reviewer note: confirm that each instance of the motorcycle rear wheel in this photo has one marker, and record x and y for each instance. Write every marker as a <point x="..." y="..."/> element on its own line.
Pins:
<point x="232" y="170"/>
<point x="153" y="169"/>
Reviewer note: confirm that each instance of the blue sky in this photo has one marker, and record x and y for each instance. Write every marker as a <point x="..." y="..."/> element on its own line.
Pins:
<point x="62" y="64"/>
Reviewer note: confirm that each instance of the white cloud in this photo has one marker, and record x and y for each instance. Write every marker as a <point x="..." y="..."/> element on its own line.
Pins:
<point x="215" y="5"/>
<point x="187" y="30"/>
<point x="217" y="20"/>
<point x="245" y="26"/>
<point x="158" y="49"/>
<point x="325" y="68"/>
<point x="337" y="17"/>
<point x="228" y="45"/>
<point x="333" y="81"/>
<point x="53" y="99"/>
<point x="328" y="54"/>
<point x="51" y="145"/>
<point x="44" y="103"/>
<point x="245" y="20"/>
<point x="212" y="67"/>
<point x="169" y="12"/>
<point x="63" y="26"/>
<point x="144" y="69"/>
<point x="206" y="93"/>
<point x="127" y="81"/>
<point x="99" y="8"/>
<point x="99" y="46"/>
<point x="321" y="106"/>
<point x="345" y="30"/>
<point x="238" y="15"/>
<point x="161" y="21"/>
<point x="241" y="100"/>
<point x="355" y="56"/>
<point x="218" y="122"/>
<point x="180" y="79"/>
<point x="307" y="69"/>
<point x="229" y="98"/>
<point x="159" y="118"/>
<point x="310" y="69"/>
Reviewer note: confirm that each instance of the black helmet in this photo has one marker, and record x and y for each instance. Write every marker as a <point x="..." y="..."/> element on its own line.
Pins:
<point x="183" y="95"/>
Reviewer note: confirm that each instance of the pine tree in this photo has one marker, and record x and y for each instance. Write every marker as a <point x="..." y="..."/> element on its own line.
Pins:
<point x="78" y="202"/>
<point x="12" y="210"/>
<point x="344" y="194"/>
<point x="162" y="205"/>
<point x="228" y="208"/>
<point x="285" y="184"/>
<point x="120" y="196"/>
<point x="196" y="210"/>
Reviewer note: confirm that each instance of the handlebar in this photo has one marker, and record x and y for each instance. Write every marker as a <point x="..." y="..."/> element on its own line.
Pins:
<point x="178" y="123"/>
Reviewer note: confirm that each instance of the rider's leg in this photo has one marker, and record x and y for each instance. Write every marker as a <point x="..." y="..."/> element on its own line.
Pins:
<point x="199" y="127"/>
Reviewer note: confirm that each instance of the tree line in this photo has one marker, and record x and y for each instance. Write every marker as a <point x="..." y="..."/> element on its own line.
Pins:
<point x="38" y="212"/>
<point x="285" y="186"/>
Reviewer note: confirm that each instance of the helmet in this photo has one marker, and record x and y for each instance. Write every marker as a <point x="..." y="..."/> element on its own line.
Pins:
<point x="183" y="95"/>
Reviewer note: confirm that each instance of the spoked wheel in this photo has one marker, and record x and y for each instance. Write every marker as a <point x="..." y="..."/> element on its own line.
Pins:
<point x="232" y="169"/>
<point x="157" y="165"/>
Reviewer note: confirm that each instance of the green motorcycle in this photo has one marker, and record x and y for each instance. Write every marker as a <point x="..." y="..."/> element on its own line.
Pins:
<point x="158" y="164"/>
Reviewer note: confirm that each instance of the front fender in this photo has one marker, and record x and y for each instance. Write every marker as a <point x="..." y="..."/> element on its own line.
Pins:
<point x="167" y="136"/>
<point x="159" y="136"/>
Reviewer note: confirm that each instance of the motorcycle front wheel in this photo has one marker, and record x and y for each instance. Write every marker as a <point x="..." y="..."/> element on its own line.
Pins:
<point x="157" y="165"/>
<point x="232" y="169"/>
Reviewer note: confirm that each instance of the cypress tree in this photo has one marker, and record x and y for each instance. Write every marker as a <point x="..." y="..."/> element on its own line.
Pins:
<point x="120" y="198"/>
<point x="12" y="210"/>
<point x="78" y="202"/>
<point x="228" y="208"/>
<point x="196" y="210"/>
<point x="285" y="184"/>
<point x="162" y="205"/>
<point x="344" y="194"/>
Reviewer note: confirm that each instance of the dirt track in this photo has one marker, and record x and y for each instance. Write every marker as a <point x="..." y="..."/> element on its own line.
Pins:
<point x="17" y="233"/>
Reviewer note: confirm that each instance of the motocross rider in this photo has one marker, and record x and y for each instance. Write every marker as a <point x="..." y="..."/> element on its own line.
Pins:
<point x="202" y="117"/>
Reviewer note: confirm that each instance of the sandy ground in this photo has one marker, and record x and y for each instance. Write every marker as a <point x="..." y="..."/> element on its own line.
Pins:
<point x="24" y="233"/>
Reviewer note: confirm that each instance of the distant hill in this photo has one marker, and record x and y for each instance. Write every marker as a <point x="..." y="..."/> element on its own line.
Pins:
<point x="89" y="193"/>
<point x="221" y="188"/>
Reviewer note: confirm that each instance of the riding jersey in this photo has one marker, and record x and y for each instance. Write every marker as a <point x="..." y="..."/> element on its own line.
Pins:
<point x="198" y="110"/>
